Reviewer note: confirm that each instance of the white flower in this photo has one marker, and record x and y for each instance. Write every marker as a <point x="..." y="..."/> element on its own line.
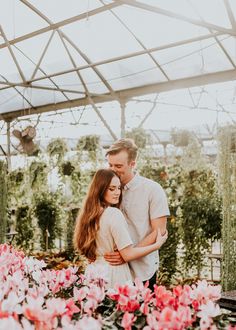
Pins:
<point x="209" y="310"/>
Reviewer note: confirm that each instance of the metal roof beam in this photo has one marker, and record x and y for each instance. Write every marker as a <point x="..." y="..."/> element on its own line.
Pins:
<point x="230" y="13"/>
<point x="168" y="13"/>
<point x="119" y="58"/>
<point x="60" y="24"/>
<point x="201" y="80"/>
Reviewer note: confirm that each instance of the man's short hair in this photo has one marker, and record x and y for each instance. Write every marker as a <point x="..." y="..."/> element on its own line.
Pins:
<point x="125" y="144"/>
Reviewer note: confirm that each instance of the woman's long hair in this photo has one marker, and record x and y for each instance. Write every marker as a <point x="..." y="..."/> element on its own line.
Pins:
<point x="87" y="223"/>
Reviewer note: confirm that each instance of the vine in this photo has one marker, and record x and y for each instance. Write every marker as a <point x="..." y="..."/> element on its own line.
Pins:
<point x="24" y="228"/>
<point x="168" y="253"/>
<point x="38" y="174"/>
<point x="91" y="145"/>
<point x="3" y="201"/>
<point x="227" y="183"/>
<point x="201" y="217"/>
<point x="47" y="212"/>
<point x="57" y="149"/>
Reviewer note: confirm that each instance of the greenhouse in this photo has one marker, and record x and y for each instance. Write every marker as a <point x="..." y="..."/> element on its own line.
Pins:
<point x="118" y="164"/>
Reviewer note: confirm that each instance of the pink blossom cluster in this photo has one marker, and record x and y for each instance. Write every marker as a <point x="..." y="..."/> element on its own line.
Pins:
<point x="177" y="309"/>
<point x="32" y="297"/>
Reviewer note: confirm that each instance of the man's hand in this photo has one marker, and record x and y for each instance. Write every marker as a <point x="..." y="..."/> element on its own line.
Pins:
<point x="160" y="239"/>
<point x="114" y="258"/>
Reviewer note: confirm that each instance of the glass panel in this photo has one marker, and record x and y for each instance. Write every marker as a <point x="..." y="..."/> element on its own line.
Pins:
<point x="137" y="71"/>
<point x="29" y="51"/>
<point x="59" y="11"/>
<point x="101" y="37"/>
<point x="18" y="19"/>
<point x="56" y="58"/>
<point x="156" y="29"/>
<point x="230" y="46"/>
<point x="93" y="82"/>
<point x="212" y="11"/>
<point x="8" y="69"/>
<point x="193" y="59"/>
<point x="11" y="100"/>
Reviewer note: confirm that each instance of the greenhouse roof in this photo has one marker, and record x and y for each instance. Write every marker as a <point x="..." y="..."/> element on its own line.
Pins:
<point x="62" y="54"/>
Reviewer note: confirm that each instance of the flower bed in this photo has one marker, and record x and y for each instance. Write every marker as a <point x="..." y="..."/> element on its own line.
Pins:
<point x="34" y="298"/>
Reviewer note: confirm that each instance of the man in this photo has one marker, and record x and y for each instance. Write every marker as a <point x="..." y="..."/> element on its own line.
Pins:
<point x="144" y="205"/>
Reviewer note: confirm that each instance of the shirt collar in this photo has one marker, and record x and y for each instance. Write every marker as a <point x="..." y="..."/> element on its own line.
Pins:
<point x="132" y="183"/>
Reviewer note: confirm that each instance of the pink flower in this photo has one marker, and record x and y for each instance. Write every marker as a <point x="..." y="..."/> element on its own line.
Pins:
<point x="202" y="291"/>
<point x="132" y="306"/>
<point x="163" y="297"/>
<point x="56" y="306"/>
<point x="71" y="308"/>
<point x="80" y="294"/>
<point x="128" y="320"/>
<point x="152" y="321"/>
<point x="184" y="317"/>
<point x="10" y="323"/>
<point x="89" y="323"/>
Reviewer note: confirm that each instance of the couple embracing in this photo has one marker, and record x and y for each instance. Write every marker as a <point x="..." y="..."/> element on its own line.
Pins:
<point x="122" y="223"/>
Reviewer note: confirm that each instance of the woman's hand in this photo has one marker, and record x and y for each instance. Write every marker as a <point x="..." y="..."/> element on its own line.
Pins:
<point x="160" y="239"/>
<point x="114" y="258"/>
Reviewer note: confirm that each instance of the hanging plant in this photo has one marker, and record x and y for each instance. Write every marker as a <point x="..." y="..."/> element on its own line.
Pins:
<point x="3" y="201"/>
<point x="89" y="143"/>
<point x="88" y="147"/>
<point x="66" y="168"/>
<point x="180" y="138"/>
<point x="24" y="227"/>
<point x="47" y="212"/>
<point x="57" y="148"/>
<point x="38" y="174"/>
<point x="140" y="137"/>
<point x="16" y="177"/>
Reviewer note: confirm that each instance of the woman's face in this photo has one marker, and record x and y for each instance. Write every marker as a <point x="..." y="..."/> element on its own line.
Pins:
<point x="112" y="194"/>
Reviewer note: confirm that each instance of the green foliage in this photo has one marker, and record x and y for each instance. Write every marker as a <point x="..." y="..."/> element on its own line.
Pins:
<point x="89" y="143"/>
<point x="47" y="212"/>
<point x="180" y="138"/>
<point x="189" y="184"/>
<point x="70" y="225"/>
<point x="168" y="252"/>
<point x="66" y="168"/>
<point x="227" y="183"/>
<point x="3" y="201"/>
<point x="24" y="228"/>
<point x="16" y="177"/>
<point x="38" y="174"/>
<point x="80" y="180"/>
<point x="88" y="148"/>
<point x="201" y="216"/>
<point x="140" y="137"/>
<point x="57" y="148"/>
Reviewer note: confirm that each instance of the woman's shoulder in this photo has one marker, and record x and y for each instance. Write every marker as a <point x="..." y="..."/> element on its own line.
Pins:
<point x="113" y="211"/>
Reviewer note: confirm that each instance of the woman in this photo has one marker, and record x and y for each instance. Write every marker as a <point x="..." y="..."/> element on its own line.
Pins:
<point x="101" y="227"/>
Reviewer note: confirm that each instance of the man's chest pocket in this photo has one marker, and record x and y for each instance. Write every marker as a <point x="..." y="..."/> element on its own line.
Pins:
<point x="136" y="211"/>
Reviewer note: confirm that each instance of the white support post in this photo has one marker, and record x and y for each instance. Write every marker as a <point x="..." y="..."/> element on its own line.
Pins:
<point x="122" y="118"/>
<point x="8" y="145"/>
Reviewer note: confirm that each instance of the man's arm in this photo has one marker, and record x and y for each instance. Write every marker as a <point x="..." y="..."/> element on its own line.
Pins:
<point x="157" y="223"/>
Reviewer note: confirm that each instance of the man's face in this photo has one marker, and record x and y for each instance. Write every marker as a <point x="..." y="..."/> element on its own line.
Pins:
<point x="120" y="164"/>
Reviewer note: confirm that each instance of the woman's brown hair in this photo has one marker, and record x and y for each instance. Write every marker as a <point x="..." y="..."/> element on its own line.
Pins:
<point x="87" y="223"/>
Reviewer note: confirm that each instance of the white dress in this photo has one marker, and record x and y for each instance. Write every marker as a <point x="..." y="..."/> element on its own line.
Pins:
<point x="113" y="234"/>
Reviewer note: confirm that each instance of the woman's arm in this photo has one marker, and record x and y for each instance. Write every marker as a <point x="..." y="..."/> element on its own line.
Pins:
<point x="131" y="253"/>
